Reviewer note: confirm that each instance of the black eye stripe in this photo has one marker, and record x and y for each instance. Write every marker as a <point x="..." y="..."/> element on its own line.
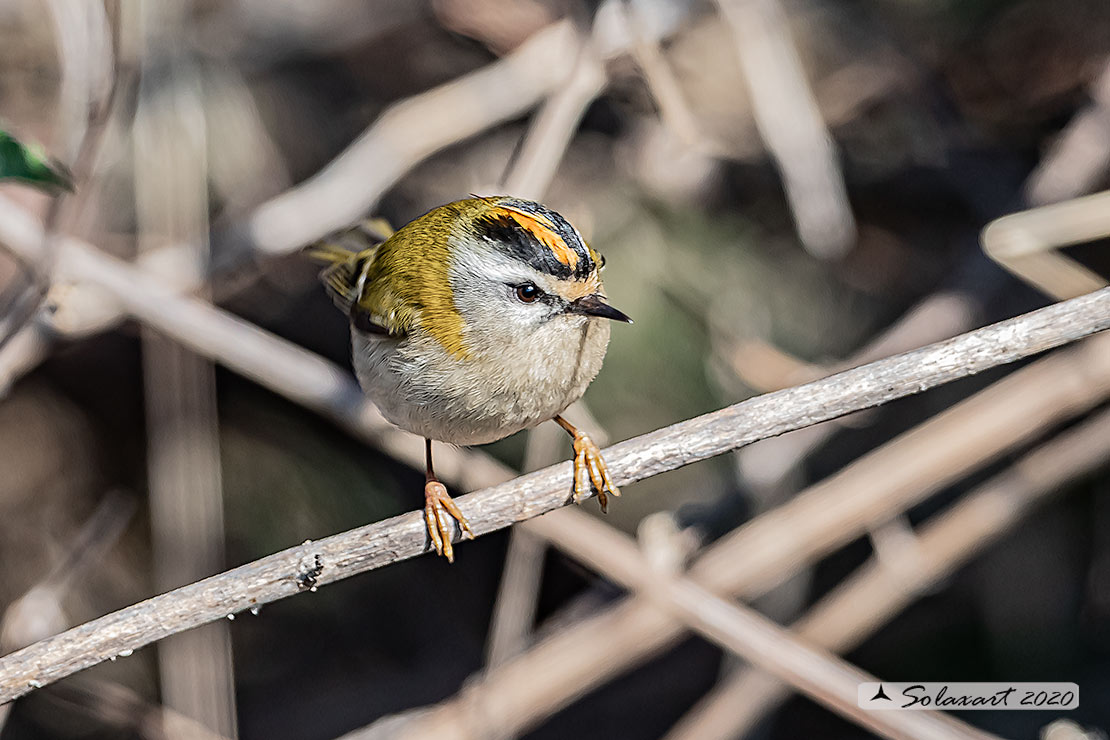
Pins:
<point x="518" y="243"/>
<point x="541" y="296"/>
<point x="508" y="236"/>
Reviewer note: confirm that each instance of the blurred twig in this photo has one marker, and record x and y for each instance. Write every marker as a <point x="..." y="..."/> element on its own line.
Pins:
<point x="1066" y="729"/>
<point x="879" y="590"/>
<point x="769" y="549"/>
<point x="415" y="128"/>
<point x="122" y="709"/>
<point x="767" y="464"/>
<point x="1080" y="156"/>
<point x="555" y="123"/>
<point x="819" y="675"/>
<point x="937" y="317"/>
<point x="285" y="368"/>
<point x="529" y="176"/>
<point x="398" y="538"/>
<point x="514" y="611"/>
<point x="674" y="110"/>
<point x="171" y="179"/>
<point x="38" y="613"/>
<point x="25" y="621"/>
<point x="1029" y="243"/>
<point x="86" y="55"/>
<point x="409" y="132"/>
<point x="23" y="352"/>
<point x="790" y="124"/>
<point x="1026" y="244"/>
<point x="85" y="50"/>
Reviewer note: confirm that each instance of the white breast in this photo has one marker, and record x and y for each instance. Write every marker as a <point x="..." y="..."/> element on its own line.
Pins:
<point x="497" y="391"/>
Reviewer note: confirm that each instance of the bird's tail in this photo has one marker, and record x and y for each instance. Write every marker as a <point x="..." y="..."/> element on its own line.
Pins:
<point x="347" y="256"/>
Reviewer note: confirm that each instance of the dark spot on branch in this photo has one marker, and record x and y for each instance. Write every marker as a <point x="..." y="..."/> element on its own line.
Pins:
<point x="309" y="574"/>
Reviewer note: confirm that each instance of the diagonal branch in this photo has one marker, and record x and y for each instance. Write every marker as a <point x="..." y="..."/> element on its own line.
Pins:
<point x="825" y="678"/>
<point x="878" y="590"/>
<point x="373" y="546"/>
<point x="764" y="552"/>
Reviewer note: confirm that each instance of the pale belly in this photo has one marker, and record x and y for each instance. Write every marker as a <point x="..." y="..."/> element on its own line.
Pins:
<point x="423" y="390"/>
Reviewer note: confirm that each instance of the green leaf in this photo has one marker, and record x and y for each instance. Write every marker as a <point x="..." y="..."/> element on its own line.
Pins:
<point x="30" y="164"/>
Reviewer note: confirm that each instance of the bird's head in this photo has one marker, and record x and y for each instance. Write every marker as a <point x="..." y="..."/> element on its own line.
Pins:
<point x="517" y="265"/>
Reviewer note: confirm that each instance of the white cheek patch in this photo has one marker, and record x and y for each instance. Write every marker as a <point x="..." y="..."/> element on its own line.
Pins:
<point x="482" y="282"/>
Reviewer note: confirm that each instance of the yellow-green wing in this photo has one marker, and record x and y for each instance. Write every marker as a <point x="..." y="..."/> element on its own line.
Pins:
<point x="349" y="256"/>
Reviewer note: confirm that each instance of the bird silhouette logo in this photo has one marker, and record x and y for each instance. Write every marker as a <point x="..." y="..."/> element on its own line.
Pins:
<point x="880" y="694"/>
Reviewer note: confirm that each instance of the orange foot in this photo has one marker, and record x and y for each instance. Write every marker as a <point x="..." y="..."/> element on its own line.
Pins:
<point x="589" y="468"/>
<point x="439" y="508"/>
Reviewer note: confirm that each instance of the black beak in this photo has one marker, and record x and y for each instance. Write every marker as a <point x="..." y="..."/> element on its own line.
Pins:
<point x="594" y="305"/>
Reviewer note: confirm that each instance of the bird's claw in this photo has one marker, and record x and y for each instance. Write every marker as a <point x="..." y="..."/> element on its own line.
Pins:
<point x="439" y="509"/>
<point x="589" y="468"/>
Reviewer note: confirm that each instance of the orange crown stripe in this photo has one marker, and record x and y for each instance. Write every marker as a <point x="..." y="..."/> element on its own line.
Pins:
<point x="544" y="231"/>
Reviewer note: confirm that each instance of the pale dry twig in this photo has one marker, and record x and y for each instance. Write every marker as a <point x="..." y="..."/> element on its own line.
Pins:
<point x="823" y="677"/>
<point x="877" y="591"/>
<point x="790" y="124"/>
<point x="171" y="178"/>
<point x="382" y="543"/>
<point x="769" y="549"/>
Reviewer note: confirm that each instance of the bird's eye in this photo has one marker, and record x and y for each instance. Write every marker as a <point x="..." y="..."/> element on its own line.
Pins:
<point x="527" y="293"/>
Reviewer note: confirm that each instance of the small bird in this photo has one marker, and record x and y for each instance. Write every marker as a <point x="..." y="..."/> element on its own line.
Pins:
<point x="478" y="319"/>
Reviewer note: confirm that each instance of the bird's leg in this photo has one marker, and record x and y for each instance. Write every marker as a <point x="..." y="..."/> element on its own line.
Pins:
<point x="589" y="467"/>
<point x="438" y="508"/>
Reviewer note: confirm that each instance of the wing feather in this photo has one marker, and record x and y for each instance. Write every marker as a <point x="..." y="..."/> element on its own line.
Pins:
<point x="348" y="257"/>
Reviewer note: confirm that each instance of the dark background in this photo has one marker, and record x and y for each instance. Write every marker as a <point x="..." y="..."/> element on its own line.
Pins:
<point x="941" y="113"/>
